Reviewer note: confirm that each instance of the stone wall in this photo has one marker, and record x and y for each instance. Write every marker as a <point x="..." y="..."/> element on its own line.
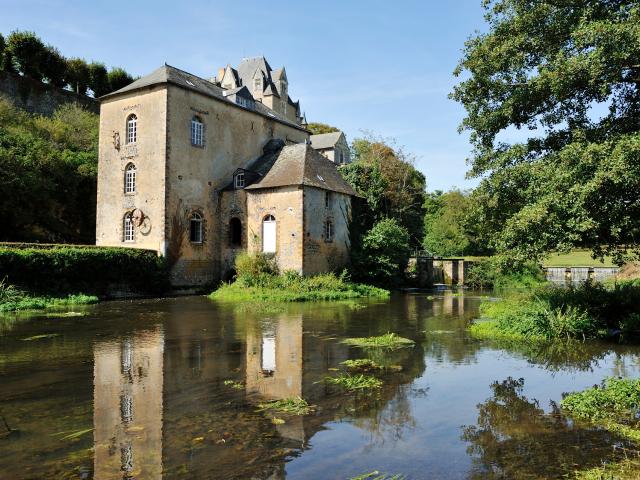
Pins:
<point x="37" y="97"/>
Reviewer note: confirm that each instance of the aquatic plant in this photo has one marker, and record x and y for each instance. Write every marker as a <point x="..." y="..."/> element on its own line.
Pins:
<point x="376" y="475"/>
<point x="234" y="384"/>
<point x="361" y="365"/>
<point x="294" y="406"/>
<point x="388" y="340"/>
<point x="354" y="383"/>
<point x="615" y="398"/>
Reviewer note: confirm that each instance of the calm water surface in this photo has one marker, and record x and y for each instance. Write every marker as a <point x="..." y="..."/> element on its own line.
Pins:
<point x="136" y="390"/>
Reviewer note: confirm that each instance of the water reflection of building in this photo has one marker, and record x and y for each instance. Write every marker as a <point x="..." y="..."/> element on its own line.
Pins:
<point x="128" y="384"/>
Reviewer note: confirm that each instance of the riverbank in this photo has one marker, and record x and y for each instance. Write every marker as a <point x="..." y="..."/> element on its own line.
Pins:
<point x="614" y="406"/>
<point x="291" y="287"/>
<point x="549" y="312"/>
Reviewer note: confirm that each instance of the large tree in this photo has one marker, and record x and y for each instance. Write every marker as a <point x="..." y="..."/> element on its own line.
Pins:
<point x="384" y="175"/>
<point x="568" y="73"/>
<point x="317" y="128"/>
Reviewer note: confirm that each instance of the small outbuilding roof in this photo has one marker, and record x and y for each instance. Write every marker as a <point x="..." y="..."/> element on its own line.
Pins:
<point x="299" y="164"/>
<point x="325" y="140"/>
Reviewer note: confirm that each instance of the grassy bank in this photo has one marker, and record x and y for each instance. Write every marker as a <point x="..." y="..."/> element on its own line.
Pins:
<point x="549" y="312"/>
<point x="291" y="287"/>
<point x="258" y="280"/>
<point x="614" y="406"/>
<point x="13" y="299"/>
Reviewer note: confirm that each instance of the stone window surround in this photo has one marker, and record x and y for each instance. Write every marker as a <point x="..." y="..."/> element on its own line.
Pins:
<point x="131" y="129"/>
<point x="196" y="216"/>
<point x="130" y="179"/>
<point x="128" y="228"/>
<point x="194" y="119"/>
<point x="329" y="230"/>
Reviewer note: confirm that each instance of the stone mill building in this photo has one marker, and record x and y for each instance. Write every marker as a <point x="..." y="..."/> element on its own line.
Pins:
<point x="200" y="170"/>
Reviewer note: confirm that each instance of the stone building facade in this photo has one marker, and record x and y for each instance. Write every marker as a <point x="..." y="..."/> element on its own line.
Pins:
<point x="333" y="146"/>
<point x="200" y="173"/>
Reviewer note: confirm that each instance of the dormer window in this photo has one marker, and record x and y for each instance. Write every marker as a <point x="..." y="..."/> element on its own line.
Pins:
<point x="239" y="181"/>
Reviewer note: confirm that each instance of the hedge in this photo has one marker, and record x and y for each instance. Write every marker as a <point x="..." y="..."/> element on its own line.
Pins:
<point x="63" y="269"/>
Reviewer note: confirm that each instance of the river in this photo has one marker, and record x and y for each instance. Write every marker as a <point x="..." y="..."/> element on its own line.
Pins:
<point x="170" y="388"/>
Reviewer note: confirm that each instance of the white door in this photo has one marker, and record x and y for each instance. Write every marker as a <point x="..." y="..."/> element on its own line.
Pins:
<point x="269" y="234"/>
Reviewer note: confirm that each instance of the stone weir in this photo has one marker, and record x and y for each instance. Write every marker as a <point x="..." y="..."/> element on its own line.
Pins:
<point x="574" y="275"/>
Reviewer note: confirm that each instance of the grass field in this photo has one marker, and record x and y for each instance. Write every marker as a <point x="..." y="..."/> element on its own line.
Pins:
<point x="576" y="258"/>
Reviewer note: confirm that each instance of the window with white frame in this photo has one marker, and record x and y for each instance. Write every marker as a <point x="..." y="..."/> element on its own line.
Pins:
<point x="130" y="178"/>
<point x="328" y="231"/>
<point x="132" y="128"/>
<point x="197" y="132"/>
<point x="239" y="182"/>
<point x="195" y="228"/>
<point x="129" y="228"/>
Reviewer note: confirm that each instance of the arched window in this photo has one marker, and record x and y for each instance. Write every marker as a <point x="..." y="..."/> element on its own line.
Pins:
<point x="195" y="228"/>
<point x="129" y="234"/>
<point x="235" y="232"/>
<point x="328" y="231"/>
<point x="269" y="234"/>
<point x="130" y="178"/>
<point x="197" y="132"/>
<point x="132" y="128"/>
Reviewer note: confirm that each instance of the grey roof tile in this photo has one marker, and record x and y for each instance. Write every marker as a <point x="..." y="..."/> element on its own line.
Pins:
<point x="325" y="140"/>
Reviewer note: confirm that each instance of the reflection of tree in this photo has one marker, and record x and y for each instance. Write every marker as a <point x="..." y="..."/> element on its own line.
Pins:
<point x="514" y="438"/>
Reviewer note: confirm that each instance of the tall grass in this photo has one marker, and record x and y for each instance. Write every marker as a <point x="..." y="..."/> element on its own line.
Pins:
<point x="549" y="312"/>
<point x="13" y="299"/>
<point x="258" y="280"/>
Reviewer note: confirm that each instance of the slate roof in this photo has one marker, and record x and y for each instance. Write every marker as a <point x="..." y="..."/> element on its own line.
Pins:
<point x="325" y="140"/>
<point x="248" y="67"/>
<point x="188" y="81"/>
<point x="298" y="164"/>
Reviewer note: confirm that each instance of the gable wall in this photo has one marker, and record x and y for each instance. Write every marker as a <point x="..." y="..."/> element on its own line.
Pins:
<point x="148" y="154"/>
<point x="321" y="256"/>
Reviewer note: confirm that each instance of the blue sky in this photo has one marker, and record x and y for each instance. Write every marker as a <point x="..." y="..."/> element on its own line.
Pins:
<point x="379" y="66"/>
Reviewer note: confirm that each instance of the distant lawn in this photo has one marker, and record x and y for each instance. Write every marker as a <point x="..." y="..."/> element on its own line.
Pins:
<point x="576" y="258"/>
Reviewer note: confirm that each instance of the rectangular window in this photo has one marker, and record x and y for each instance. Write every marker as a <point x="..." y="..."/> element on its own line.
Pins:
<point x="328" y="231"/>
<point x="197" y="133"/>
<point x="240" y="180"/>
<point x="128" y="229"/>
<point x="327" y="199"/>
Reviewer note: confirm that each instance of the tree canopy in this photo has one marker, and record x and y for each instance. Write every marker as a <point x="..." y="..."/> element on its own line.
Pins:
<point x="316" y="128"/>
<point x="568" y="73"/>
<point x="25" y="53"/>
<point x="384" y="175"/>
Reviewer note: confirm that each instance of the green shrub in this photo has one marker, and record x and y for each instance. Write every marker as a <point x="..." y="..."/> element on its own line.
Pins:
<point x="383" y="257"/>
<point x="253" y="266"/>
<point x="55" y="270"/>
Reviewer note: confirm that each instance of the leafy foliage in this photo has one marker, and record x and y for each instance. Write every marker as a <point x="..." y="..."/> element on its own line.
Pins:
<point x="48" y="170"/>
<point x="449" y="225"/>
<point x="382" y="254"/>
<point x="568" y="72"/>
<point x="495" y="272"/>
<point x="317" y="128"/>
<point x="60" y="269"/>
